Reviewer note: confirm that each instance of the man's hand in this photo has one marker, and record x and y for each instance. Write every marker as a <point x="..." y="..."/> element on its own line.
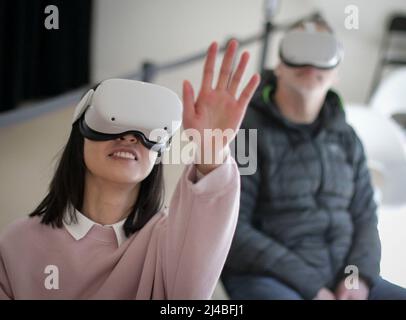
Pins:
<point x="218" y="107"/>
<point x="342" y="293"/>
<point x="324" y="294"/>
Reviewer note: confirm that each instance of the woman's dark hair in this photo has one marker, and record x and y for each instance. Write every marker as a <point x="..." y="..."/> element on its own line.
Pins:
<point x="66" y="190"/>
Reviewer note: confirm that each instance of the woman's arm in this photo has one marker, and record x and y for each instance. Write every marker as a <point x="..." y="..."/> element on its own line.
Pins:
<point x="203" y="214"/>
<point x="200" y="226"/>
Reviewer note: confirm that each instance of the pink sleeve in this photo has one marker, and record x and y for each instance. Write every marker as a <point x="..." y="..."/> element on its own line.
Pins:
<point x="4" y="283"/>
<point x="199" y="230"/>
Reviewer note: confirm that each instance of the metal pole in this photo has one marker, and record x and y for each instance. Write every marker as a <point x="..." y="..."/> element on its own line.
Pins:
<point x="148" y="71"/>
<point x="271" y="6"/>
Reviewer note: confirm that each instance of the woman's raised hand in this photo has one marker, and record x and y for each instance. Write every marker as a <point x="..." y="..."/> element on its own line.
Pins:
<point x="218" y="108"/>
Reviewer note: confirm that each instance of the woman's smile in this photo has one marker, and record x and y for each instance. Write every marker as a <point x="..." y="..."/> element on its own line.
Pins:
<point x="124" y="154"/>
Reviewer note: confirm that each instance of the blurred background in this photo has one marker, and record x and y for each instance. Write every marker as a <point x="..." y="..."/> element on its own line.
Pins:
<point x="43" y="73"/>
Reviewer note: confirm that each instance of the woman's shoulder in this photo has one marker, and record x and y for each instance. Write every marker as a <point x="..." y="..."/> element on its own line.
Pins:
<point x="20" y="229"/>
<point x="159" y="219"/>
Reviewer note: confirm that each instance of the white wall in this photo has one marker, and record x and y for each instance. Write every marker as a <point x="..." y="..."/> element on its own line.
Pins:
<point x="159" y="31"/>
<point x="27" y="159"/>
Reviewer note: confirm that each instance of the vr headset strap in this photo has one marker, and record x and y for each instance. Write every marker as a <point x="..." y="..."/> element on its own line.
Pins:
<point x="83" y="104"/>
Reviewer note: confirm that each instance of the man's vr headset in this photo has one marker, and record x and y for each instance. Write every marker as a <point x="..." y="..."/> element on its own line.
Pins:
<point x="309" y="47"/>
<point x="118" y="107"/>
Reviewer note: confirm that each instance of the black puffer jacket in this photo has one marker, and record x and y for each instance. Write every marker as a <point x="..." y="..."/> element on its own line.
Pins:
<point x="308" y="211"/>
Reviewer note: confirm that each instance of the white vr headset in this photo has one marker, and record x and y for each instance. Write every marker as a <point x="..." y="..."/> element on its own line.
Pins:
<point x="118" y="107"/>
<point x="300" y="48"/>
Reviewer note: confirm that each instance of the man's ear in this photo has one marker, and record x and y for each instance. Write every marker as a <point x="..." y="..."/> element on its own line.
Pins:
<point x="277" y="70"/>
<point x="336" y="78"/>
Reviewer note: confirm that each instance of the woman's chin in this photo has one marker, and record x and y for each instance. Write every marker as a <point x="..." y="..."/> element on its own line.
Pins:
<point x="124" y="178"/>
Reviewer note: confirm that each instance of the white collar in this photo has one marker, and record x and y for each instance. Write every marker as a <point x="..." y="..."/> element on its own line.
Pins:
<point x="83" y="225"/>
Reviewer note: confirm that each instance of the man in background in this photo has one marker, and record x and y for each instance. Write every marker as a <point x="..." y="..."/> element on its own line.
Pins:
<point x="307" y="216"/>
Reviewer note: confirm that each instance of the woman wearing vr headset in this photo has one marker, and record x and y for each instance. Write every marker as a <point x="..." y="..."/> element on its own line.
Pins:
<point x="101" y="233"/>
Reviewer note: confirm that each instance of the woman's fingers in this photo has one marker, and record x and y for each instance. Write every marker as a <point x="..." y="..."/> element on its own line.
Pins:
<point x="208" y="70"/>
<point x="236" y="79"/>
<point x="248" y="91"/>
<point x="188" y="100"/>
<point x="226" y="66"/>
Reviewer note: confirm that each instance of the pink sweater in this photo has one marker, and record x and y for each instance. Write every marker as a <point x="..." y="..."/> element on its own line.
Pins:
<point x="178" y="254"/>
